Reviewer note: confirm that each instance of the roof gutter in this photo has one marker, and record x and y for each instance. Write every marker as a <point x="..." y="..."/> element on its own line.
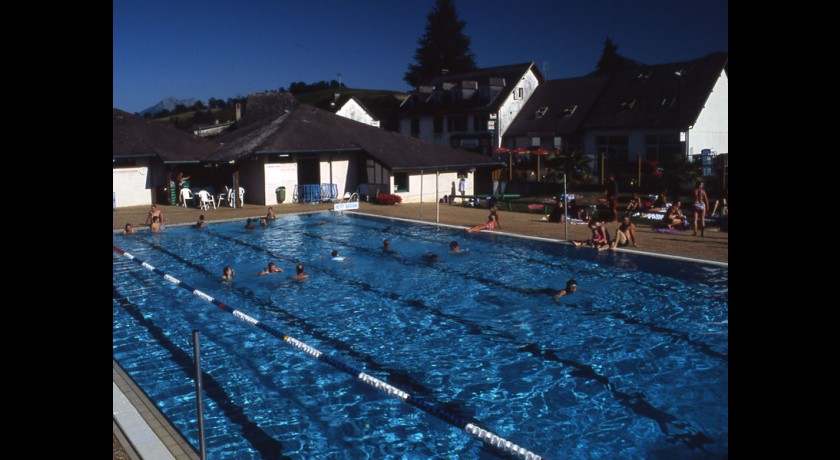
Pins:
<point x="272" y="152"/>
<point x="173" y="162"/>
<point x="446" y="166"/>
<point x="135" y="155"/>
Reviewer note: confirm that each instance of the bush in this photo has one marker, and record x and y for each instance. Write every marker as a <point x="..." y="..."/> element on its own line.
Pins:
<point x="387" y="198"/>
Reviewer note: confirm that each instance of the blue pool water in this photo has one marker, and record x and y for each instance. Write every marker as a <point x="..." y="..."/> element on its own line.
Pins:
<point x="633" y="365"/>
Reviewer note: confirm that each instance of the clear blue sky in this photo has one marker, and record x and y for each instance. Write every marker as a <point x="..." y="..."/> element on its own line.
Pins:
<point x="223" y="48"/>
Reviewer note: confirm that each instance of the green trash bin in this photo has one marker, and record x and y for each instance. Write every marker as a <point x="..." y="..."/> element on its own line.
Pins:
<point x="281" y="194"/>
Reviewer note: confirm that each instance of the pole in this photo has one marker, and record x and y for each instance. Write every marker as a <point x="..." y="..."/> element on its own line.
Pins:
<point x="437" y="196"/>
<point x="197" y="356"/>
<point x="565" y="209"/>
<point x="235" y="190"/>
<point x="602" y="168"/>
<point x="421" y="194"/>
<point x="638" y="170"/>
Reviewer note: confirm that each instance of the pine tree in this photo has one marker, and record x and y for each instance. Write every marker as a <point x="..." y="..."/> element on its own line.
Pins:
<point x="611" y="61"/>
<point x="443" y="47"/>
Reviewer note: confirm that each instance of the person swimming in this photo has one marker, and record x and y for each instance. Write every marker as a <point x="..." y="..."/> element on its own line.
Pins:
<point x="300" y="274"/>
<point x="227" y="273"/>
<point x="571" y="288"/>
<point x="271" y="269"/>
<point x="337" y="257"/>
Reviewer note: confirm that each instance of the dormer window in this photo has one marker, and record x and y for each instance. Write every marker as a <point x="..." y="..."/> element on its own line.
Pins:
<point x="667" y="102"/>
<point x="568" y="111"/>
<point x="644" y="75"/>
<point x="540" y="112"/>
<point x="628" y="104"/>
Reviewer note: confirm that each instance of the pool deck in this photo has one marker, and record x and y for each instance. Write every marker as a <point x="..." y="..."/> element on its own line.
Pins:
<point x="133" y="434"/>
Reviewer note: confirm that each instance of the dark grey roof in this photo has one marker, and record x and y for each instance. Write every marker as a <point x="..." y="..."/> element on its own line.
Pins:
<point x="653" y="96"/>
<point x="309" y="129"/>
<point x="135" y="136"/>
<point x="566" y="102"/>
<point x="437" y="96"/>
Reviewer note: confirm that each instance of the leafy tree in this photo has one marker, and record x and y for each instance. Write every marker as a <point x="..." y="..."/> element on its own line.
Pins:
<point x="442" y="46"/>
<point x="199" y="105"/>
<point x="611" y="61"/>
<point x="180" y="108"/>
<point x="574" y="164"/>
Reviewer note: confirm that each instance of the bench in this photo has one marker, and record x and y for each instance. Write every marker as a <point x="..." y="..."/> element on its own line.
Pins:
<point x="506" y="197"/>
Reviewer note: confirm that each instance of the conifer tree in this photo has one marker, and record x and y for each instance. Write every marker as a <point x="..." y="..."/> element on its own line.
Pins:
<point x="443" y="46"/>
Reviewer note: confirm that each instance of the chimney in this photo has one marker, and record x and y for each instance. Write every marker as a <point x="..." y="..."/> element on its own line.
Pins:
<point x="238" y="111"/>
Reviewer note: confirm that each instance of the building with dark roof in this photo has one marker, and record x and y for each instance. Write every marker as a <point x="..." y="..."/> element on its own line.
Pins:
<point x="658" y="112"/>
<point x="470" y="110"/>
<point x="145" y="153"/>
<point x="280" y="143"/>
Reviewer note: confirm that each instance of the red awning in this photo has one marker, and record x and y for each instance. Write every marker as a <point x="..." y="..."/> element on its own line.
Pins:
<point x="501" y="150"/>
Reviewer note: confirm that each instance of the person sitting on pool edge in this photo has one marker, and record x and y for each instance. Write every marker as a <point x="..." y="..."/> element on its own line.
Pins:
<point x="270" y="214"/>
<point x="271" y="269"/>
<point x="571" y="288"/>
<point x="300" y="274"/>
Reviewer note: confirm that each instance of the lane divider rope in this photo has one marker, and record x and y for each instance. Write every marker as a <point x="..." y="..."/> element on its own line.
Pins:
<point x="472" y="429"/>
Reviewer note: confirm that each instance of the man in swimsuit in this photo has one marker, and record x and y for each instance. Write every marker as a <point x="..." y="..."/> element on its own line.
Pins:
<point x="571" y="288"/>
<point x="701" y="203"/>
<point x="154" y="212"/>
<point x="300" y="274"/>
<point x="612" y="197"/>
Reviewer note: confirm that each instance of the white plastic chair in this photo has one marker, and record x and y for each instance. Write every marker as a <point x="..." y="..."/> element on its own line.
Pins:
<point x="186" y="194"/>
<point x="206" y="199"/>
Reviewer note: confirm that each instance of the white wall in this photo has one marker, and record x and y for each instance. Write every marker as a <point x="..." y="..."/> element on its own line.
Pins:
<point x="510" y="107"/>
<point x="711" y="130"/>
<point x="340" y="167"/>
<point x="354" y="111"/>
<point x="131" y="186"/>
<point x="444" y="186"/>
<point x="279" y="175"/>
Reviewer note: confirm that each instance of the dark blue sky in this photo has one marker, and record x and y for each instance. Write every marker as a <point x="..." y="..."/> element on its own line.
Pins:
<point x="224" y="48"/>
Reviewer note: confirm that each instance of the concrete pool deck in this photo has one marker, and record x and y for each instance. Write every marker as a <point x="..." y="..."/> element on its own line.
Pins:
<point x="133" y="438"/>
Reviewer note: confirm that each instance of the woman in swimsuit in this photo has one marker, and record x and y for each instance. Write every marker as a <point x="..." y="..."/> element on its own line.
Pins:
<point x="701" y="203"/>
<point x="492" y="222"/>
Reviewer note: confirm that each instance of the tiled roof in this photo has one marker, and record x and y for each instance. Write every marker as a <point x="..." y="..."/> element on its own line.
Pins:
<point x="135" y="136"/>
<point x="657" y="96"/>
<point x="309" y="129"/>
<point x="558" y="107"/>
<point x="436" y="96"/>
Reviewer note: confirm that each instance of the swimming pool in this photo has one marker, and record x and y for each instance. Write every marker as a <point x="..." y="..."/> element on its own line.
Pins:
<point x="633" y="365"/>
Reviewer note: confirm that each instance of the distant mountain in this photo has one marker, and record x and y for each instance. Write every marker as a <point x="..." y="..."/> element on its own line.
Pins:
<point x="168" y="104"/>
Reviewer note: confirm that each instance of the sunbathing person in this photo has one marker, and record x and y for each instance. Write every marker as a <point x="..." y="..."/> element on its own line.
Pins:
<point x="625" y="234"/>
<point x="674" y="217"/>
<point x="599" y="239"/>
<point x="492" y="222"/>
